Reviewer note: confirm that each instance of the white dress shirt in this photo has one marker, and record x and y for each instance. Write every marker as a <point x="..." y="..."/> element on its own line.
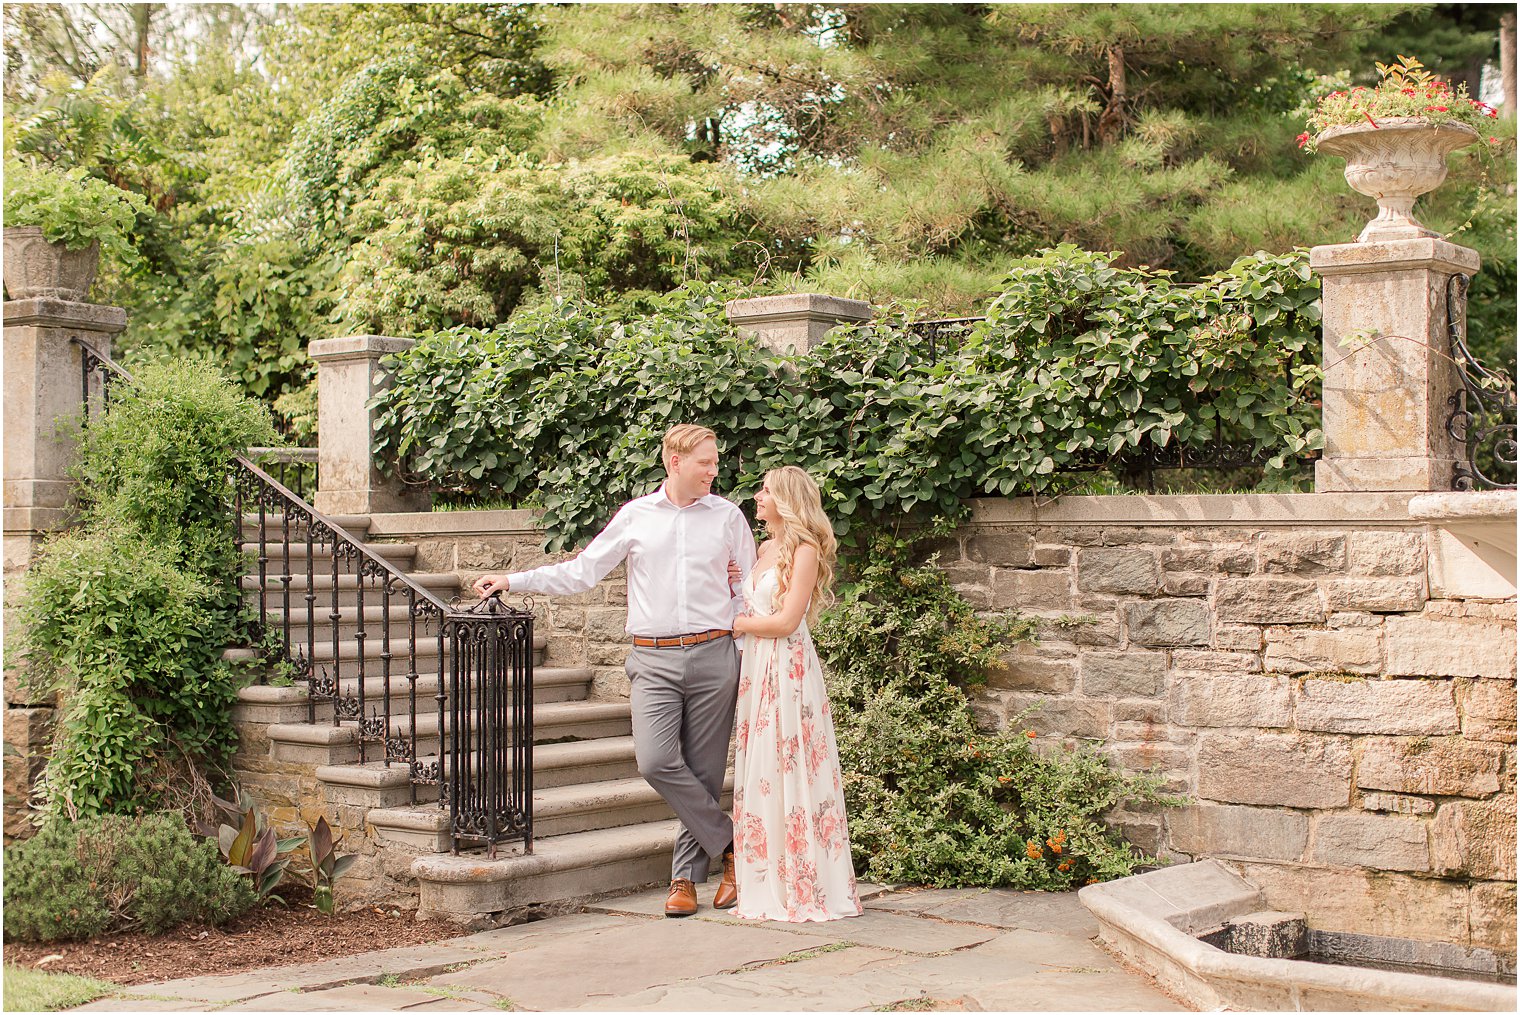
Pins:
<point x="677" y="564"/>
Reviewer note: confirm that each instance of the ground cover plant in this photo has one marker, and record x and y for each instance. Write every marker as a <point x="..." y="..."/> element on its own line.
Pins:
<point x="933" y="799"/>
<point x="38" y="990"/>
<point x="1078" y="362"/>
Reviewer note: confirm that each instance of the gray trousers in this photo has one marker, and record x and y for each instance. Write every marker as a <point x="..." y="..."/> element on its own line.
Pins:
<point x="683" y="718"/>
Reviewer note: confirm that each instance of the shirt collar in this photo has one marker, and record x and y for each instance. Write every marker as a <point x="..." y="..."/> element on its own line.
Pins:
<point x="661" y="498"/>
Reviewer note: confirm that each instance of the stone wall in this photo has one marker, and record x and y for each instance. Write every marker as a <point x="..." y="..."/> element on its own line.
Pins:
<point x="1343" y="735"/>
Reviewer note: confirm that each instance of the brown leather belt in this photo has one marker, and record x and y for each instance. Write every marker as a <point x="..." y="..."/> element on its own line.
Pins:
<point x="680" y="640"/>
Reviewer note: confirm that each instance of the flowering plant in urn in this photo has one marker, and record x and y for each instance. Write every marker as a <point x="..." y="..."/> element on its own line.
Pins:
<point x="1395" y="139"/>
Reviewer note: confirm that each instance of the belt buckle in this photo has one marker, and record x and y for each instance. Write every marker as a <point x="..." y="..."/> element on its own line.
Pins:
<point x="688" y="640"/>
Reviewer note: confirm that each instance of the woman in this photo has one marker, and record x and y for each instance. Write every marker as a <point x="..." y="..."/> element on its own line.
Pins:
<point x="791" y="847"/>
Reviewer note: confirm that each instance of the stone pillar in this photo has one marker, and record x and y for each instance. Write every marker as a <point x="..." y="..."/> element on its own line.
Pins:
<point x="348" y="376"/>
<point x="794" y="323"/>
<point x="1388" y="364"/>
<point x="44" y="394"/>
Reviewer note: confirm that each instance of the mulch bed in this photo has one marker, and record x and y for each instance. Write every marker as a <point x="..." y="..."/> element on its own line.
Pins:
<point x="271" y="935"/>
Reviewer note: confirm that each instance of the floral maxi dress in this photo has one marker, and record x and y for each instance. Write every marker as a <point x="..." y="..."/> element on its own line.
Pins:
<point x="791" y="846"/>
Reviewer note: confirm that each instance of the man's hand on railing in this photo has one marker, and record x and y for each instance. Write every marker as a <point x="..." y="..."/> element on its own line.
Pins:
<point x="489" y="583"/>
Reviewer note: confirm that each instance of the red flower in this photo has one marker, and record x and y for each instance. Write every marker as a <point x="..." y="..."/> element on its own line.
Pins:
<point x="1407" y="91"/>
<point x="1493" y="140"/>
<point x="1435" y="109"/>
<point x="1303" y="139"/>
<point x="1490" y="111"/>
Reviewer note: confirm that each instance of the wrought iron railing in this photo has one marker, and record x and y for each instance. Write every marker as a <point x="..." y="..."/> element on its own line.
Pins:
<point x="376" y="649"/>
<point x="942" y="334"/>
<point x="296" y="468"/>
<point x="1482" y="416"/>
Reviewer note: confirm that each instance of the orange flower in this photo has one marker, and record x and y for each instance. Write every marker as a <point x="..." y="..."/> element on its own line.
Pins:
<point x="1055" y="847"/>
<point x="1065" y="866"/>
<point x="1031" y="734"/>
<point x="1032" y="850"/>
<point x="1005" y="778"/>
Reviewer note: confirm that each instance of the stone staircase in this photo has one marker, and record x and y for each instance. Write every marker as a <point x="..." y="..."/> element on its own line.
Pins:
<point x="598" y="827"/>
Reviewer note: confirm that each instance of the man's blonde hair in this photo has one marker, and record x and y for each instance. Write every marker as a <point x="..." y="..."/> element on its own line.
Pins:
<point x="682" y="439"/>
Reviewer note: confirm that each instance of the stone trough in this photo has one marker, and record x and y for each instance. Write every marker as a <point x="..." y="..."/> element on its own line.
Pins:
<point x="1164" y="922"/>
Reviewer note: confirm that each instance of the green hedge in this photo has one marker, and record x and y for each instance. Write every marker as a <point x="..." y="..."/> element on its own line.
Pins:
<point x="562" y="408"/>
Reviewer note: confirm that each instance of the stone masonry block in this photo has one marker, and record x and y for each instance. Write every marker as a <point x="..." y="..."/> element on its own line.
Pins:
<point x="1165" y="622"/>
<point x="1302" y="555"/>
<point x="1031" y="590"/>
<point x="1209" y="559"/>
<point x="1301" y="650"/>
<point x="1425" y="646"/>
<point x="1440" y="767"/>
<point x="1132" y="674"/>
<point x="1119" y="570"/>
<point x="1153" y="712"/>
<point x="1488" y="710"/>
<point x="967" y="573"/>
<point x="1386" y="553"/>
<point x="1143" y="534"/>
<point x="1216" y="662"/>
<point x="1268" y="601"/>
<point x="1085" y="718"/>
<point x="1002" y="549"/>
<point x="1275" y="770"/>
<point x="1071" y="535"/>
<point x="1226" y="830"/>
<point x="1378" y="595"/>
<point x="1032" y="666"/>
<point x="1052" y="556"/>
<point x="1371" y="840"/>
<point x="1395" y="803"/>
<point x="609" y="624"/>
<point x="1186" y="584"/>
<point x="1475" y="838"/>
<point x="486" y="553"/>
<point x="1492" y="916"/>
<point x="1389" y="707"/>
<point x="1229" y="638"/>
<point x="1232" y="699"/>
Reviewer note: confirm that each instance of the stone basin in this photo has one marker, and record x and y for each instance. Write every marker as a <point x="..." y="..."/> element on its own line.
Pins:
<point x="1472" y="546"/>
<point x="1156" y="920"/>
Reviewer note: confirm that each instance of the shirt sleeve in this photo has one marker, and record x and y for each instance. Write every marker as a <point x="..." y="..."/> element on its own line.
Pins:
<point x="581" y="572"/>
<point x="742" y="539"/>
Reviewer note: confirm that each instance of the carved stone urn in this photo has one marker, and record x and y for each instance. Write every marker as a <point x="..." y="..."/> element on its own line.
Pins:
<point x="35" y="268"/>
<point x="1394" y="163"/>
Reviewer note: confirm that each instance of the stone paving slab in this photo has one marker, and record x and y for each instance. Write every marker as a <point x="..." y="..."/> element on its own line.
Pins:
<point x="919" y="900"/>
<point x="139" y="1003"/>
<point x="488" y="943"/>
<point x="354" y="997"/>
<point x="1113" y="990"/>
<point x="843" y="980"/>
<point x="893" y="931"/>
<point x="652" y="902"/>
<point x="619" y="960"/>
<point x="1047" y="912"/>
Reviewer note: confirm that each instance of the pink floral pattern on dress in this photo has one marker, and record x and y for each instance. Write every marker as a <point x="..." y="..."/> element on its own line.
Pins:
<point x="791" y="839"/>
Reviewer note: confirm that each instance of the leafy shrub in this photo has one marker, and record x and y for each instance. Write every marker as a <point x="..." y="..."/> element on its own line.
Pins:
<point x="1078" y="362"/>
<point x="127" y="617"/>
<point x="113" y="872"/>
<point x="932" y="799"/>
<point x="71" y="208"/>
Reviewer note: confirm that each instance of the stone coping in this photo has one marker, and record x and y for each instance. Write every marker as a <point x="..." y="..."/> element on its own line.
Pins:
<point x="1151" y="918"/>
<point x="1496" y="505"/>
<point x="1246" y="509"/>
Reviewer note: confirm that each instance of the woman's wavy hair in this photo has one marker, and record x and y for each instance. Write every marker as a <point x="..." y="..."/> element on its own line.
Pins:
<point x="800" y="506"/>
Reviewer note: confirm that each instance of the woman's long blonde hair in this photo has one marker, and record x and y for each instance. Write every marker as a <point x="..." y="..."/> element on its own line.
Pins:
<point x="803" y="522"/>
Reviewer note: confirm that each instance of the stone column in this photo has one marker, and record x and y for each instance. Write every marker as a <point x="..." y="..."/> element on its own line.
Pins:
<point x="794" y="323"/>
<point x="348" y="376"/>
<point x="44" y="394"/>
<point x="1388" y="364"/>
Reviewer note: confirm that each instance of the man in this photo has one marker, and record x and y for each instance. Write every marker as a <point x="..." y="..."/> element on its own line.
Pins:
<point x="684" y="666"/>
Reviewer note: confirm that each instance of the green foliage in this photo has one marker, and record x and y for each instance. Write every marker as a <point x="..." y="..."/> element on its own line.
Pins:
<point x="29" y="989"/>
<point x="327" y="865"/>
<point x="932" y="799"/>
<point x="250" y="846"/>
<point x="1078" y="360"/>
<point x="128" y="616"/>
<point x="70" y="208"/>
<point x="113" y="872"/>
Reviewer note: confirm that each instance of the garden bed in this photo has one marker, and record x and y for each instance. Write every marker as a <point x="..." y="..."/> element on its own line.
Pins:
<point x="271" y="935"/>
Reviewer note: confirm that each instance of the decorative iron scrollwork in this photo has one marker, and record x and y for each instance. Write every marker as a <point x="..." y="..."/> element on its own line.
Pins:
<point x="1482" y="416"/>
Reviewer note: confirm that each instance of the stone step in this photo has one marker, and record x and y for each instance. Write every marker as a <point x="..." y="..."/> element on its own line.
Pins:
<point x="399" y="554"/>
<point x="348" y="621"/>
<point x="354" y="525"/>
<point x="571" y="763"/>
<point x="550" y="684"/>
<point x="324" y="744"/>
<point x="557" y="811"/>
<point x="470" y="888"/>
<point x="443" y="585"/>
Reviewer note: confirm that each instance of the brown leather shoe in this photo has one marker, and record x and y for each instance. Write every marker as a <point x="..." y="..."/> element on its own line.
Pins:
<point x="682" y="900"/>
<point x="727" y="895"/>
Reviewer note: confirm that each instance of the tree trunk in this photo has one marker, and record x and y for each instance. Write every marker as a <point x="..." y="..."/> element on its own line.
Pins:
<point x="1111" y="123"/>
<point x="142" y="21"/>
<point x="1507" y="60"/>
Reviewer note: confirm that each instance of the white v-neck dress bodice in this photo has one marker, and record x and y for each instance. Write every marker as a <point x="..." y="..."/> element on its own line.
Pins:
<point x="791" y="842"/>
